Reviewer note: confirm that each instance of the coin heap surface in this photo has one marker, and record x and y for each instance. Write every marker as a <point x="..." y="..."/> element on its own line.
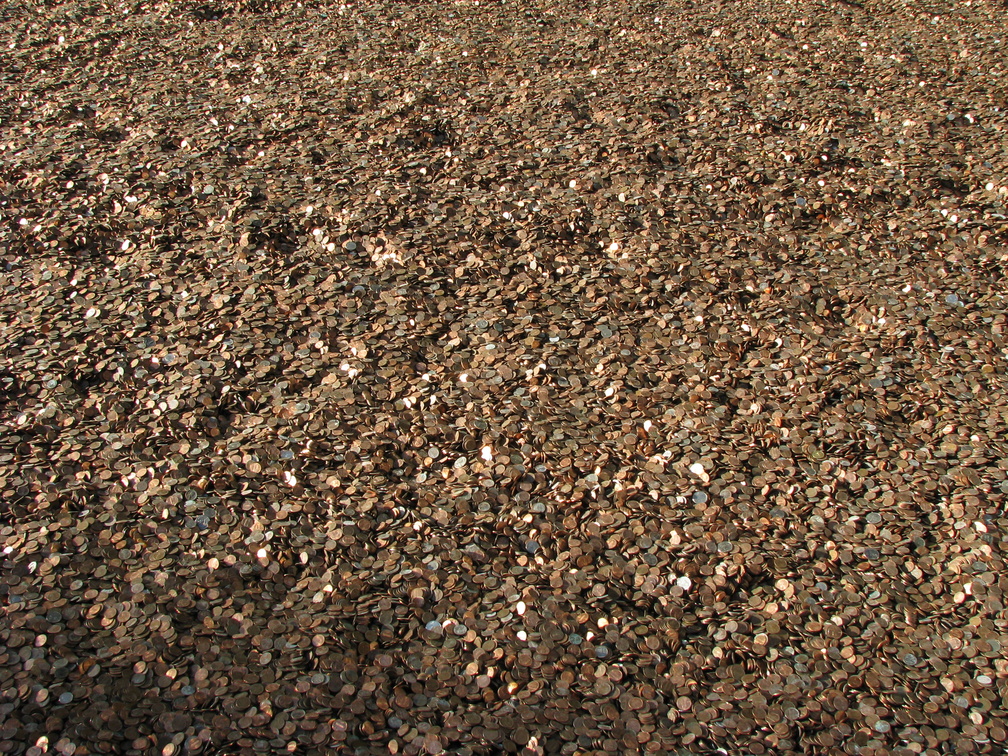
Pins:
<point x="503" y="377"/>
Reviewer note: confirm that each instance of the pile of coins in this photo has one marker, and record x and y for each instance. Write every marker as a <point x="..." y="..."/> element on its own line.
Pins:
<point x="473" y="377"/>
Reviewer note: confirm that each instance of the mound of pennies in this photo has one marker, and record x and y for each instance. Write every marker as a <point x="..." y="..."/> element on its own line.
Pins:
<point x="475" y="377"/>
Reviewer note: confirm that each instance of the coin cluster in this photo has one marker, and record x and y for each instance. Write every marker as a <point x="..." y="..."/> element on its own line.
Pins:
<point x="477" y="377"/>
